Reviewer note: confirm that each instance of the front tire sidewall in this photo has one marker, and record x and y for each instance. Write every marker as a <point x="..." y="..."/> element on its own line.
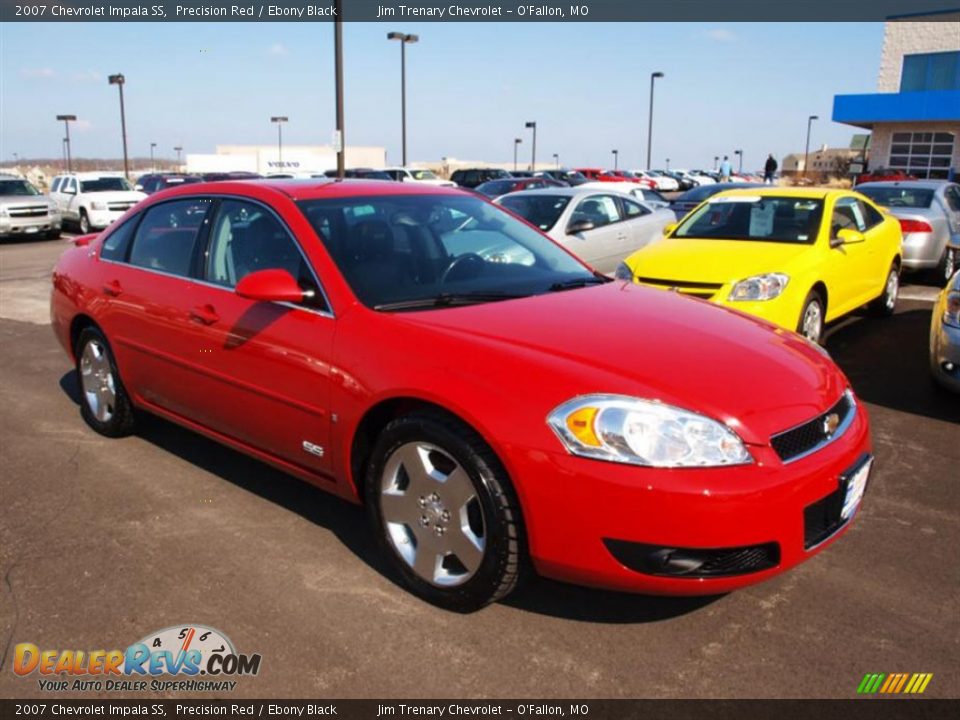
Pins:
<point x="883" y="306"/>
<point x="84" y="223"/>
<point x="812" y="298"/>
<point x="492" y="580"/>
<point x="122" y="421"/>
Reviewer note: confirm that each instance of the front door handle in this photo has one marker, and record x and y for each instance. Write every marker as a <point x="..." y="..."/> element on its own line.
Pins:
<point x="204" y="314"/>
<point x="112" y="288"/>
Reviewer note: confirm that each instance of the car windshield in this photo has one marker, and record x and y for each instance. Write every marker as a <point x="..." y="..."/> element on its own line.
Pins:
<point x="893" y="197"/>
<point x="17" y="187"/>
<point x="540" y="210"/>
<point x="755" y="217"/>
<point x="438" y="249"/>
<point x="422" y="175"/>
<point x="104" y="184"/>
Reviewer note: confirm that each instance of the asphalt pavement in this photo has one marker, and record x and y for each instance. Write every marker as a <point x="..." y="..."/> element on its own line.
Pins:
<point x="103" y="541"/>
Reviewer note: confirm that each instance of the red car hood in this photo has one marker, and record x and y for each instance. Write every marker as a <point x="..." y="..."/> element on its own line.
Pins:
<point x="627" y="339"/>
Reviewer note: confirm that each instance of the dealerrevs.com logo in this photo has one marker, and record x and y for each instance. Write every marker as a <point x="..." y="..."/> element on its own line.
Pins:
<point x="198" y="657"/>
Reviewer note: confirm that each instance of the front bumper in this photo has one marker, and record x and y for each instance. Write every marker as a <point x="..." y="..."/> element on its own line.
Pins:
<point x="99" y="219"/>
<point x="945" y="352"/>
<point x="575" y="506"/>
<point x="28" y="225"/>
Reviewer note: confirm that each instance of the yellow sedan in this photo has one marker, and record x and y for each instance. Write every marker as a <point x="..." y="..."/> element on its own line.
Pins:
<point x="796" y="257"/>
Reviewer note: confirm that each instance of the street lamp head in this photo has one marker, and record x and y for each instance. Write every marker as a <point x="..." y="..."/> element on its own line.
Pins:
<point x="657" y="74"/>
<point x="279" y="119"/>
<point x="403" y="37"/>
<point x="117" y="79"/>
<point x="530" y="124"/>
<point x="814" y="117"/>
<point x="517" y="141"/>
<point x="67" y="118"/>
<point x="153" y="145"/>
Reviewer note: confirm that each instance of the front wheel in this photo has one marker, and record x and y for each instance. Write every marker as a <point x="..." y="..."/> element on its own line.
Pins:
<point x="884" y="305"/>
<point x="444" y="512"/>
<point x="104" y="404"/>
<point x="811" y="317"/>
<point x="84" y="223"/>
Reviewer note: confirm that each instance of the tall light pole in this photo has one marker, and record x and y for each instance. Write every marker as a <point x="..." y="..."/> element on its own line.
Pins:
<point x="716" y="159"/>
<point x="119" y="81"/>
<point x="668" y="163"/>
<point x="67" y="119"/>
<point x="556" y="159"/>
<point x="178" y="150"/>
<point x="533" y="151"/>
<point x="404" y="39"/>
<point x="740" y="153"/>
<point x="806" y="152"/>
<point x="338" y="73"/>
<point x="653" y="77"/>
<point x="516" y="144"/>
<point x="152" y="146"/>
<point x="616" y="158"/>
<point x="279" y="120"/>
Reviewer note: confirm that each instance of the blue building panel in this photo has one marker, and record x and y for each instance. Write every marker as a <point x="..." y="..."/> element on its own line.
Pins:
<point x="927" y="106"/>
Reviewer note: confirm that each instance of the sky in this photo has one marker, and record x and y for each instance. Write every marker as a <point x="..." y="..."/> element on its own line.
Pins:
<point x="470" y="88"/>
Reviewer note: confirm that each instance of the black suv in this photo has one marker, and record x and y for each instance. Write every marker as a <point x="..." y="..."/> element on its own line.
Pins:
<point x="472" y="177"/>
<point x="155" y="182"/>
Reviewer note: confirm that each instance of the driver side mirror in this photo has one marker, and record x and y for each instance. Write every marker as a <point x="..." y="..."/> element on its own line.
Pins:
<point x="138" y="187"/>
<point x="847" y="237"/>
<point x="272" y="285"/>
<point x="579" y="226"/>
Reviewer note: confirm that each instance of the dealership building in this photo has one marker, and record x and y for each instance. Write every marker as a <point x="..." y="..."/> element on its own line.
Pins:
<point x="915" y="114"/>
<point x="265" y="159"/>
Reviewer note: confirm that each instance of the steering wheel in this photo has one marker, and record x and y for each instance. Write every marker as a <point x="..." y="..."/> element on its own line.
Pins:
<point x="458" y="261"/>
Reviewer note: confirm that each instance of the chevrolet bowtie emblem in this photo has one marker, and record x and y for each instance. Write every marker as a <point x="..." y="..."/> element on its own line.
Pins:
<point x="830" y="424"/>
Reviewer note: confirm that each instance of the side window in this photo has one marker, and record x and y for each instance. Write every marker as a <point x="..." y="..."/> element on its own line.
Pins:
<point x="633" y="210"/>
<point x="167" y="236"/>
<point x="847" y="215"/>
<point x="115" y="246"/>
<point x="56" y="184"/>
<point x="953" y="197"/>
<point x="871" y="215"/>
<point x="246" y="238"/>
<point x="69" y="185"/>
<point x="599" y="209"/>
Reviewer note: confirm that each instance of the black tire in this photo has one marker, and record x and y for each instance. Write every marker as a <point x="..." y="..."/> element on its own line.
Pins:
<point x="500" y="568"/>
<point x="117" y="420"/>
<point x="886" y="304"/>
<point x="84" y="222"/>
<point x="948" y="266"/>
<point x="810" y="327"/>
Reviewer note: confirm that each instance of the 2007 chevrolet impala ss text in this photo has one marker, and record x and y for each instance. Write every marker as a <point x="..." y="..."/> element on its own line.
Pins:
<point x="494" y="403"/>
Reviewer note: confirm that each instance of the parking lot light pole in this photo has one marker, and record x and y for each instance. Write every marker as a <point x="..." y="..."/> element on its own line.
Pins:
<point x="338" y="73"/>
<point x="806" y="152"/>
<point x="178" y="150"/>
<point x="119" y="81"/>
<point x="152" y="146"/>
<point x="67" y="119"/>
<point x="556" y="159"/>
<point x="516" y="143"/>
<point x="716" y="159"/>
<point x="653" y="77"/>
<point x="740" y="153"/>
<point x="404" y="39"/>
<point x="616" y="159"/>
<point x="533" y="151"/>
<point x="279" y="120"/>
<point x="668" y="164"/>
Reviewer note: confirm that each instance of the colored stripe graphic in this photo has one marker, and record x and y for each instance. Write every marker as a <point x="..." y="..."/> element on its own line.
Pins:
<point x="894" y="683"/>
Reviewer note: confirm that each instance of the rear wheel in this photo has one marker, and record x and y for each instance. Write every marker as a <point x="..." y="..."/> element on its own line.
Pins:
<point x="884" y="305"/>
<point x="811" y="317"/>
<point x="443" y="512"/>
<point x="103" y="401"/>
<point x="948" y="264"/>
<point x="84" y="222"/>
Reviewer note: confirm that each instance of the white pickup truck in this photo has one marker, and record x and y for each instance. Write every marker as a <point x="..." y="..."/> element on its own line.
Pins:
<point x="93" y="200"/>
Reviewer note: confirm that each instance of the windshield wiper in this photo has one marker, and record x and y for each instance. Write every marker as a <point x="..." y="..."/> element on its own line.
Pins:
<point x="579" y="283"/>
<point x="448" y="299"/>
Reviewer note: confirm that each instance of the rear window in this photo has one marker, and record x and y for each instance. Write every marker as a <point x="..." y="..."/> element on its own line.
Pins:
<point x="167" y="236"/>
<point x="894" y="197"/>
<point x="104" y="184"/>
<point x="540" y="210"/>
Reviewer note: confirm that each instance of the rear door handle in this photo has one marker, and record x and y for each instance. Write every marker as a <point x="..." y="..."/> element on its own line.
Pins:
<point x="112" y="288"/>
<point x="204" y="314"/>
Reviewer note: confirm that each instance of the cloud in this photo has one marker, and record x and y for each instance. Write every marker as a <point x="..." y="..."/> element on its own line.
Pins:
<point x="91" y="76"/>
<point x="720" y="35"/>
<point x="278" y="50"/>
<point x="37" y="72"/>
<point x="81" y="125"/>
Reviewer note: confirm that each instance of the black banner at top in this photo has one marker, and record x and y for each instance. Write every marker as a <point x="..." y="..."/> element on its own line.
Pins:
<point x="568" y="11"/>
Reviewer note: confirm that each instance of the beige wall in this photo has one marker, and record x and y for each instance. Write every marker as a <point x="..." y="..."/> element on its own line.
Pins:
<point x="908" y="38"/>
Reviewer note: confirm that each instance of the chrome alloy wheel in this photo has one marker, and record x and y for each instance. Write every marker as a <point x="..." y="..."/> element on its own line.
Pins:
<point x="950" y="263"/>
<point x="812" y="324"/>
<point x="96" y="377"/>
<point x="431" y="513"/>
<point x="892" y="290"/>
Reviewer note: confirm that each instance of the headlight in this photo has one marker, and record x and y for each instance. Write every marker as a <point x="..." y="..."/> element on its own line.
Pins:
<point x="760" y="287"/>
<point x="3" y="211"/>
<point x="623" y="272"/>
<point x="53" y="210"/>
<point x="97" y="205"/>
<point x="951" y="316"/>
<point x="623" y="429"/>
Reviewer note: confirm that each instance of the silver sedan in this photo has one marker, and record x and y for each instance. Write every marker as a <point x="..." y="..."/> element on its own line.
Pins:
<point x="945" y="336"/>
<point x="601" y="227"/>
<point x="929" y="214"/>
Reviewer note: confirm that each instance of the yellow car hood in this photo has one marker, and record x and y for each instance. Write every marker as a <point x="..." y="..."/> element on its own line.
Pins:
<point x="712" y="261"/>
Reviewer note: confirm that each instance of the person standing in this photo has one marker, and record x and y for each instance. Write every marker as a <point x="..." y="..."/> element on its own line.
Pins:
<point x="726" y="169"/>
<point x="770" y="170"/>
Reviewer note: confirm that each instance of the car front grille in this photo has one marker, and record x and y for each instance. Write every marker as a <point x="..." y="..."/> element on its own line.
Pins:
<point x="706" y="291"/>
<point x="822" y="518"/>
<point x="804" y="439"/>
<point x="120" y="206"/>
<point x="28" y="211"/>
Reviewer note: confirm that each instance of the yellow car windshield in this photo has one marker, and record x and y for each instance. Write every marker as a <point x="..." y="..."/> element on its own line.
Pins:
<point x="755" y="217"/>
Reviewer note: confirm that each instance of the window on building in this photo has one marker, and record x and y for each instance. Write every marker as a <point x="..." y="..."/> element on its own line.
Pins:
<point x="922" y="154"/>
<point x="930" y="71"/>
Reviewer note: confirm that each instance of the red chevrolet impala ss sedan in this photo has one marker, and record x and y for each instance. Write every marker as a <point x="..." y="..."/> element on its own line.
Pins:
<point x="495" y="404"/>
